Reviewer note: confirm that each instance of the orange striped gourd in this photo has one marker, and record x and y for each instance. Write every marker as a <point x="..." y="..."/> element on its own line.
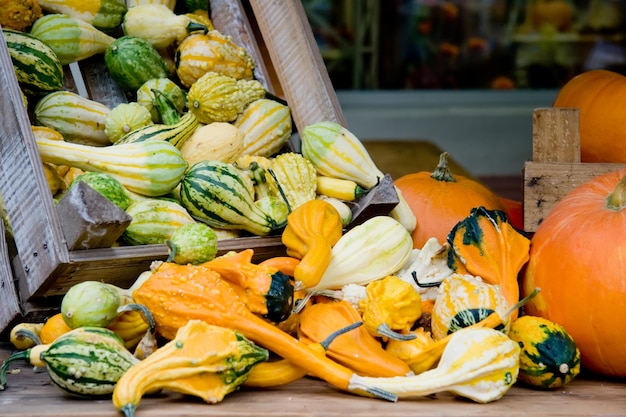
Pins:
<point x="200" y="53"/>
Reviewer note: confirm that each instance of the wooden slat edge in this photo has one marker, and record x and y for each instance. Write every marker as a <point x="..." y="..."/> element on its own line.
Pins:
<point x="547" y="183"/>
<point x="9" y="301"/>
<point x="298" y="62"/>
<point x="36" y="228"/>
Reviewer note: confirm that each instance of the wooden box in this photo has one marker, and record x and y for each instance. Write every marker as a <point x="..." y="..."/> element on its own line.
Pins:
<point x="44" y="263"/>
<point x="555" y="168"/>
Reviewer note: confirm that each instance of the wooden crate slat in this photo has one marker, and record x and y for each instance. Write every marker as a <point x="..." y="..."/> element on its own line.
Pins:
<point x="556" y="168"/>
<point x="297" y="61"/>
<point x="36" y="228"/>
<point x="9" y="304"/>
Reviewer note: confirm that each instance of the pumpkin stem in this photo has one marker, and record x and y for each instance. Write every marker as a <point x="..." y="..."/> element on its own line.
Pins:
<point x="326" y="342"/>
<point x="617" y="199"/>
<point x="442" y="172"/>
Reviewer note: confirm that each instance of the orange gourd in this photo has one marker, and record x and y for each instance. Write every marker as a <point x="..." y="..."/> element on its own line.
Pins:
<point x="356" y="349"/>
<point x="54" y="327"/>
<point x="176" y="294"/>
<point x="599" y="96"/>
<point x="440" y="200"/>
<point x="577" y="259"/>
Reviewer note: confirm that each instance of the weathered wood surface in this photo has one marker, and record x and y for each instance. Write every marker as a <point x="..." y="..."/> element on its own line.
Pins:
<point x="556" y="168"/>
<point x="30" y="394"/>
<point x="9" y="305"/>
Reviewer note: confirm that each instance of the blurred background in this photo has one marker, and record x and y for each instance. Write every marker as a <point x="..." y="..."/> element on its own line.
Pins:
<point x="463" y="76"/>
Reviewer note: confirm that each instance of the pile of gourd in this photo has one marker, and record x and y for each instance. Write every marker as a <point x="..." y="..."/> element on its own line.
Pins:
<point x="423" y="300"/>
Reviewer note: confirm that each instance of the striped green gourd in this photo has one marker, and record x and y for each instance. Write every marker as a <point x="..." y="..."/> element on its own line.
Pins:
<point x="37" y="67"/>
<point x="216" y="193"/>
<point x="71" y="39"/>
<point x="266" y="125"/>
<point x="175" y="134"/>
<point x="105" y="15"/>
<point x="337" y="152"/>
<point x="131" y="61"/>
<point x="85" y="362"/>
<point x="77" y="118"/>
<point x="149" y="168"/>
<point x="146" y="96"/>
<point x="154" y="221"/>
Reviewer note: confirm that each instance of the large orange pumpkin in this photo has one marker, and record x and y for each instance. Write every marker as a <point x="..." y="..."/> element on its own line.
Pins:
<point x="440" y="200"/>
<point x="578" y="259"/>
<point x="599" y="96"/>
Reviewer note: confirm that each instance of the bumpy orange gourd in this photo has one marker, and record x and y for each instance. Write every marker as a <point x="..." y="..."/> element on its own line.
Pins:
<point x="440" y="200"/>
<point x="312" y="230"/>
<point x="599" y="96"/>
<point x="577" y="259"/>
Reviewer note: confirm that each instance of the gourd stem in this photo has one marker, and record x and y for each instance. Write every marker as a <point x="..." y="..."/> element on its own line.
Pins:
<point x="326" y="342"/>
<point x="384" y="330"/>
<point x="442" y="172"/>
<point x="25" y="354"/>
<point x="617" y="199"/>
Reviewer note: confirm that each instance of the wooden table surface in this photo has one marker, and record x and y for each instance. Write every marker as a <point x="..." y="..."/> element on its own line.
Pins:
<point x="30" y="394"/>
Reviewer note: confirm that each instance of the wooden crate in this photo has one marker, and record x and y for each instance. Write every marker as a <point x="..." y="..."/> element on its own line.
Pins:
<point x="288" y="63"/>
<point x="555" y="168"/>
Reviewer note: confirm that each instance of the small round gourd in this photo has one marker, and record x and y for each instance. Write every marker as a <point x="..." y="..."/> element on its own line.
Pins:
<point x="192" y="243"/>
<point x="90" y="303"/>
<point x="464" y="300"/>
<point x="124" y="118"/>
<point x="549" y="356"/>
<point x="108" y="186"/>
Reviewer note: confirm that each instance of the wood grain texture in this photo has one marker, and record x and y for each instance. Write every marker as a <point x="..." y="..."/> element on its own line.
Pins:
<point x="546" y="183"/>
<point x="556" y="135"/>
<point x="30" y="394"/>
<point x="9" y="305"/>
<point x="298" y="62"/>
<point x="30" y="209"/>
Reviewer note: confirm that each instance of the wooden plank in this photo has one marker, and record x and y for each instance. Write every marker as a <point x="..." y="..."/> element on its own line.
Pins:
<point x="9" y="302"/>
<point x="31" y="394"/>
<point x="298" y="62"/>
<point x="30" y="209"/>
<point x="546" y="183"/>
<point x="556" y="135"/>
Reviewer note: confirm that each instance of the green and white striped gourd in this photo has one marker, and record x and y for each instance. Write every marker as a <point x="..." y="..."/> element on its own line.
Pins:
<point x="149" y="168"/>
<point x="105" y="15"/>
<point x="146" y="96"/>
<point x="266" y="125"/>
<point x="78" y="119"/>
<point x="37" y="67"/>
<point x="85" y="362"/>
<point x="175" y="134"/>
<point x="71" y="39"/>
<point x="154" y="221"/>
<point x="218" y="194"/>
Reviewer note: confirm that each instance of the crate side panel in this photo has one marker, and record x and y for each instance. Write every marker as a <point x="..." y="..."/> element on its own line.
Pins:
<point x="297" y="61"/>
<point x="9" y="301"/>
<point x="30" y="208"/>
<point x="545" y="184"/>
